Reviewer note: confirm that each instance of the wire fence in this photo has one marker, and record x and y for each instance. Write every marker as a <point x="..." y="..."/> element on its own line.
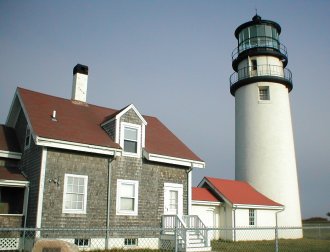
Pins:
<point x="309" y="238"/>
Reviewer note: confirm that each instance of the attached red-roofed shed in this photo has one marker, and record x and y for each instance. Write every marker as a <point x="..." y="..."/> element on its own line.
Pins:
<point x="238" y="192"/>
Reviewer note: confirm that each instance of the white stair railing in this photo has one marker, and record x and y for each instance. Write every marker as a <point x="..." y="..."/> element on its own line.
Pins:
<point x="177" y="226"/>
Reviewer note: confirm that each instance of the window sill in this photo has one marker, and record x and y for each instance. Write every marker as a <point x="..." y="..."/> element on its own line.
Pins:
<point x="264" y="102"/>
<point x="126" y="213"/>
<point x="74" y="212"/>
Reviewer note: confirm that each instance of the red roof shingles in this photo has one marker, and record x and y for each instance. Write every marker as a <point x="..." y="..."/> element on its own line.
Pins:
<point x="80" y="122"/>
<point x="160" y="140"/>
<point x="8" y="140"/>
<point x="239" y="192"/>
<point x="202" y="194"/>
<point x="76" y="122"/>
<point x="7" y="173"/>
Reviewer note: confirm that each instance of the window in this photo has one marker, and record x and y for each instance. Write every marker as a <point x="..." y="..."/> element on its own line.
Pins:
<point x="127" y="197"/>
<point x="264" y="93"/>
<point x="253" y="65"/>
<point x="81" y="242"/>
<point x="75" y="194"/>
<point x="27" y="137"/>
<point x="131" y="241"/>
<point x="131" y="139"/>
<point x="174" y="202"/>
<point x="252" y="217"/>
<point x="11" y="200"/>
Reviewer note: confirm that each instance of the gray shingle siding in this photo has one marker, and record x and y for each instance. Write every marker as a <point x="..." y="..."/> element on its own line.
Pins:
<point x="30" y="164"/>
<point x="59" y="163"/>
<point x="151" y="177"/>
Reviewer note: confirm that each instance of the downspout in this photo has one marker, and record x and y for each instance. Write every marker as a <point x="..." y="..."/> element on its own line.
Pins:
<point x="26" y="202"/>
<point x="189" y="189"/>
<point x="108" y="201"/>
<point x="234" y="210"/>
<point x="276" y="229"/>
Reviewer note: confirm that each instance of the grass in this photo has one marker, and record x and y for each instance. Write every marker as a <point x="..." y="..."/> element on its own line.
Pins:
<point x="316" y="239"/>
<point x="301" y="245"/>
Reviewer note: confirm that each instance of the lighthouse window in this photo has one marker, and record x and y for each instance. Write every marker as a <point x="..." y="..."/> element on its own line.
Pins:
<point x="254" y="65"/>
<point x="264" y="93"/>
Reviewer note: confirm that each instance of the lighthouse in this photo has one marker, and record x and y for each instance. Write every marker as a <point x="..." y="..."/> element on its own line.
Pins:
<point x="264" y="144"/>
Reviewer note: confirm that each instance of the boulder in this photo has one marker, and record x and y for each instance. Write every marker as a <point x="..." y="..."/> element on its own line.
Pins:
<point x="52" y="245"/>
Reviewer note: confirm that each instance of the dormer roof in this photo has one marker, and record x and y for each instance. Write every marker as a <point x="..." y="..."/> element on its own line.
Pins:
<point x="121" y="112"/>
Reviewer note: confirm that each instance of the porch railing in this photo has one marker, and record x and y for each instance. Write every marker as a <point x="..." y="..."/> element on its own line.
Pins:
<point x="194" y="222"/>
<point x="187" y="223"/>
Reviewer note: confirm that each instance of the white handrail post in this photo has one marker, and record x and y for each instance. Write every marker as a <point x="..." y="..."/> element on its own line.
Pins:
<point x="175" y="234"/>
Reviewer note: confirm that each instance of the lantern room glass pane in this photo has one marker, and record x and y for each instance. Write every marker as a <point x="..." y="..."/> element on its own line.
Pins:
<point x="268" y="31"/>
<point x="261" y="30"/>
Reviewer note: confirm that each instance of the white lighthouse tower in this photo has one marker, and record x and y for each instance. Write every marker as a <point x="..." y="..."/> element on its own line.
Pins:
<point x="264" y="145"/>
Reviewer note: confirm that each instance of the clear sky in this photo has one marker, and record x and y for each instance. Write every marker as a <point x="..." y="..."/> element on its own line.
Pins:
<point x="172" y="60"/>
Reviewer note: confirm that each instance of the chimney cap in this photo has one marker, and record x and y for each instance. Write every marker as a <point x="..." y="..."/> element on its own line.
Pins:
<point x="80" y="69"/>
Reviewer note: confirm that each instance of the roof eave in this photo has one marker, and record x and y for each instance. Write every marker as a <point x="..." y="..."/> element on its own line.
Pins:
<point x="54" y="143"/>
<point x="10" y="154"/>
<point x="173" y="160"/>
<point x="206" y="203"/>
<point x="14" y="183"/>
<point x="256" y="206"/>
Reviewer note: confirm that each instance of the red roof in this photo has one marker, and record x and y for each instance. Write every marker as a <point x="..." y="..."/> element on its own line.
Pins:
<point x="239" y="192"/>
<point x="80" y="122"/>
<point x="11" y="174"/>
<point x="8" y="140"/>
<point x="202" y="194"/>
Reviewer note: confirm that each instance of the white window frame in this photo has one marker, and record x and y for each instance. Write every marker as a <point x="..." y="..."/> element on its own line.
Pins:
<point x="27" y="139"/>
<point x="75" y="211"/>
<point x="122" y="139"/>
<point x="85" y="242"/>
<point x="135" y="183"/>
<point x="266" y="95"/>
<point x="131" y="242"/>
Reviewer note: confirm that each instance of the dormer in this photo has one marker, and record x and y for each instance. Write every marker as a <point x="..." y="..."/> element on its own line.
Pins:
<point x="127" y="128"/>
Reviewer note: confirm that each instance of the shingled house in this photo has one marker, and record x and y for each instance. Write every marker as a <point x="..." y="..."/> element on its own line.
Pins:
<point x="88" y="166"/>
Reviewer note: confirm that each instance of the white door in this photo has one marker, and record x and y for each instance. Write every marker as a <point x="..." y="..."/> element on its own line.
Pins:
<point x="173" y="199"/>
